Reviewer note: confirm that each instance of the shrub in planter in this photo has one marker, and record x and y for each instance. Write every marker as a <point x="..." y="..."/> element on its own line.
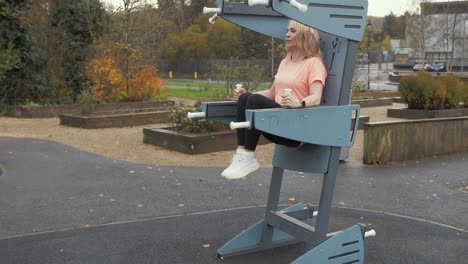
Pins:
<point x="448" y="92"/>
<point x="465" y="94"/>
<point x="423" y="91"/>
<point x="87" y="101"/>
<point x="180" y="122"/>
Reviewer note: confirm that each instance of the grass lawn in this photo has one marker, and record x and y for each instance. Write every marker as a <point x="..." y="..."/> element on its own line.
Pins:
<point x="206" y="92"/>
<point x="205" y="85"/>
<point x="199" y="95"/>
<point x="201" y="85"/>
<point x="217" y="92"/>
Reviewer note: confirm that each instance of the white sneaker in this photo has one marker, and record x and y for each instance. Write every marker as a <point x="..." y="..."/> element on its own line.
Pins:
<point x="243" y="163"/>
<point x="234" y="161"/>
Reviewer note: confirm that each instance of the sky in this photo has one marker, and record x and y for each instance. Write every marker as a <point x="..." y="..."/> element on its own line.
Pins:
<point x="379" y="8"/>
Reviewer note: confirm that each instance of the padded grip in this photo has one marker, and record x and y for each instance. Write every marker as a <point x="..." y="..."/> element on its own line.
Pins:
<point x="213" y="19"/>
<point x="207" y="10"/>
<point x="258" y="2"/>
<point x="237" y="125"/>
<point x="196" y="115"/>
<point x="370" y="233"/>
<point x="299" y="6"/>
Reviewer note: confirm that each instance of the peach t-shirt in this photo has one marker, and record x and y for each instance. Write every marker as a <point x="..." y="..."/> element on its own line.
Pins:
<point x="298" y="76"/>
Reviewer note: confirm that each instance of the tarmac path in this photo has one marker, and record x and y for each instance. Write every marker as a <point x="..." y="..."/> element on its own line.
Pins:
<point x="59" y="204"/>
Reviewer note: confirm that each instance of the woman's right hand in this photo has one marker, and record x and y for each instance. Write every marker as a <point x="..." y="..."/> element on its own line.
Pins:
<point x="238" y="92"/>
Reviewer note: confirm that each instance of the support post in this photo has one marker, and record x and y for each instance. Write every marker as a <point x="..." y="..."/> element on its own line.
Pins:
<point x="326" y="197"/>
<point x="272" y="203"/>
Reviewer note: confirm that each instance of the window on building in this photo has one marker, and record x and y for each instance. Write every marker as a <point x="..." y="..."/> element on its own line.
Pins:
<point x="465" y="29"/>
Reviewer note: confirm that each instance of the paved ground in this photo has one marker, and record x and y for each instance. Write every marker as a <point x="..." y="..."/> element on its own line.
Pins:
<point x="62" y="205"/>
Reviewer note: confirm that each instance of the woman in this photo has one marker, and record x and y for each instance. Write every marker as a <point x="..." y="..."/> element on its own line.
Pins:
<point x="302" y="71"/>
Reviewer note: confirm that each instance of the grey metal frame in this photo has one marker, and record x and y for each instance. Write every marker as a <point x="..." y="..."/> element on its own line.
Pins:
<point x="341" y="25"/>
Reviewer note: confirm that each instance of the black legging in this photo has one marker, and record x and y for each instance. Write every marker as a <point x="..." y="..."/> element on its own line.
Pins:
<point x="249" y="137"/>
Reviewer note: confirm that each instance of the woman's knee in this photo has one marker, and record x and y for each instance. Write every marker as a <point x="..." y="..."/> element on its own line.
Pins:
<point x="253" y="101"/>
<point x="243" y="98"/>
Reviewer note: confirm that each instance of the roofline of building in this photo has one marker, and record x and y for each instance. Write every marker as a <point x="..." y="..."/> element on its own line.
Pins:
<point x="432" y="8"/>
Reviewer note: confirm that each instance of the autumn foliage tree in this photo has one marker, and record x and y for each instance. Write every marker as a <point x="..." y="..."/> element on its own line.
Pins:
<point x="108" y="83"/>
<point x="145" y="85"/>
<point x="104" y="79"/>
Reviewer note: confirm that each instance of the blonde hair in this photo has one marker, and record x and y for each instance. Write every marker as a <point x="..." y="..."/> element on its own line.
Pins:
<point x="308" y="40"/>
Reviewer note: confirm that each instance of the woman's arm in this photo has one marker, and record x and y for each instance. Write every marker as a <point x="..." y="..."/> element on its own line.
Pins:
<point x="270" y="93"/>
<point x="315" y="94"/>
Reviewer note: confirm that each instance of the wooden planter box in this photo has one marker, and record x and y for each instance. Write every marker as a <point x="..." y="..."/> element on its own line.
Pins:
<point x="189" y="143"/>
<point x="392" y="141"/>
<point x="423" y="114"/>
<point x="57" y="110"/>
<point x="42" y="111"/>
<point x="192" y="143"/>
<point x="362" y="119"/>
<point x="373" y="102"/>
<point x="122" y="119"/>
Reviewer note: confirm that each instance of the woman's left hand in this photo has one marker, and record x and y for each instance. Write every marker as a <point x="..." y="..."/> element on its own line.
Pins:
<point x="290" y="101"/>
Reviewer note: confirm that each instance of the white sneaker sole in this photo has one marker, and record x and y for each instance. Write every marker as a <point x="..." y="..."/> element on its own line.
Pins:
<point x="245" y="173"/>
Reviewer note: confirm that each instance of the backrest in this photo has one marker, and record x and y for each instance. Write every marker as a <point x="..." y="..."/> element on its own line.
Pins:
<point x="341" y="25"/>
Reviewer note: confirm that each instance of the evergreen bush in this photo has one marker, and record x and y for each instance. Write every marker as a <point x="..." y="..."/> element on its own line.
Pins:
<point x="423" y="91"/>
<point x="449" y="92"/>
<point x="465" y="94"/>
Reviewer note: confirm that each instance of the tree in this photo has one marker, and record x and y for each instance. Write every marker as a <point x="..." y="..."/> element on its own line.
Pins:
<point x="449" y="33"/>
<point x="19" y="67"/>
<point x="8" y="60"/>
<point x="51" y="49"/>
<point x="125" y="24"/>
<point x="189" y="46"/>
<point x="176" y="11"/>
<point x="149" y="32"/>
<point x="419" y="26"/>
<point x="105" y="79"/>
<point x="389" y="25"/>
<point x="254" y="44"/>
<point x="223" y="39"/>
<point x="81" y="22"/>
<point x="386" y="44"/>
<point x="399" y="28"/>
<point x="196" y="45"/>
<point x="146" y="85"/>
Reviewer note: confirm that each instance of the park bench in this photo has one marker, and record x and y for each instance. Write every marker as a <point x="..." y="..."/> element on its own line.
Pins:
<point x="325" y="129"/>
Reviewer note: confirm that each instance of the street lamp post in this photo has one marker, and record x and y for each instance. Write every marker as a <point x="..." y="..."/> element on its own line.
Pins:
<point x="463" y="43"/>
<point x="369" y="27"/>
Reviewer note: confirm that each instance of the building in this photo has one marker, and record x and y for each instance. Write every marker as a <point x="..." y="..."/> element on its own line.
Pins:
<point x="400" y="50"/>
<point x="439" y="33"/>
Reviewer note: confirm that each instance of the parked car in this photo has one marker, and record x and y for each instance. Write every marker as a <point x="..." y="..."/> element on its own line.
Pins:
<point x="422" y="65"/>
<point x="439" y="66"/>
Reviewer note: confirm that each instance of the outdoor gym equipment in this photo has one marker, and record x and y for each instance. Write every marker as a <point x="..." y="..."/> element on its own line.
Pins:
<point x="325" y="129"/>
